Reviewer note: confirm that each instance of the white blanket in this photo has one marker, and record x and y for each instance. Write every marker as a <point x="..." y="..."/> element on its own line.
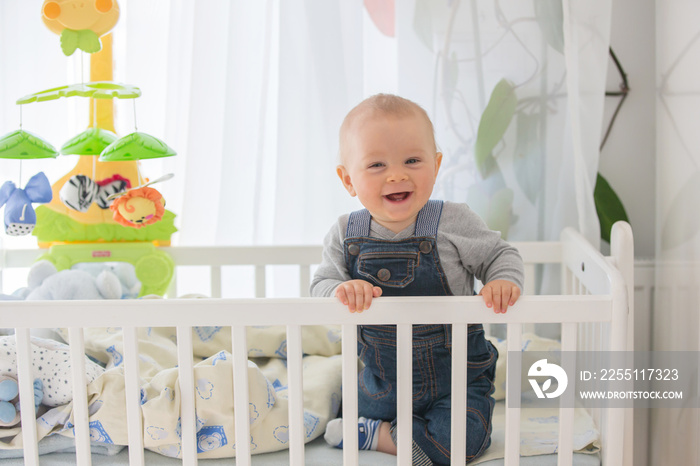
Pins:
<point x="160" y="393"/>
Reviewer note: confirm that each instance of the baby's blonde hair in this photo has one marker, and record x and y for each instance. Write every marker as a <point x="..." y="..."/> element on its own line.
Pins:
<point x="382" y="104"/>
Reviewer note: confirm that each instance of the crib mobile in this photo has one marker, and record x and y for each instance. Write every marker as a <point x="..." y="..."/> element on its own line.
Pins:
<point x="103" y="210"/>
<point x="96" y="201"/>
<point x="104" y="206"/>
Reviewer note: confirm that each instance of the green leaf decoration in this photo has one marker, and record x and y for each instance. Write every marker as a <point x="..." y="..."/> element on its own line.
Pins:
<point x="22" y="144"/>
<point x="52" y="226"/>
<point x="84" y="39"/>
<point x="550" y="18"/>
<point x="69" y="41"/>
<point x="493" y="125"/>
<point x="681" y="223"/>
<point x="96" y="90"/>
<point x="608" y="206"/>
<point x="88" y="41"/>
<point x="136" y="146"/>
<point x="90" y="142"/>
<point x="528" y="159"/>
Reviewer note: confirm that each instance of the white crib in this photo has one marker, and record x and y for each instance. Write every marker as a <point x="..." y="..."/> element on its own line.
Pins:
<point x="594" y="310"/>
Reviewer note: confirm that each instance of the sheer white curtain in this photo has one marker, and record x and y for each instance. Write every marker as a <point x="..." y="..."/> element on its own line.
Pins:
<point x="254" y="94"/>
<point x="251" y="95"/>
<point x="278" y="77"/>
<point x="676" y="310"/>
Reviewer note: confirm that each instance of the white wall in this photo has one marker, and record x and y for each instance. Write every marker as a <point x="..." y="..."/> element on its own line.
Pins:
<point x="628" y="158"/>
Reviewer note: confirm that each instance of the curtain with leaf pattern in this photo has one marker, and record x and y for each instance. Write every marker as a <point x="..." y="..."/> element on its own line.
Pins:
<point x="516" y="92"/>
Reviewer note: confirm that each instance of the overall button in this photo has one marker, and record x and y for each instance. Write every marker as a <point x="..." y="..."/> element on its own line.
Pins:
<point x="425" y="247"/>
<point x="354" y="249"/>
<point x="384" y="275"/>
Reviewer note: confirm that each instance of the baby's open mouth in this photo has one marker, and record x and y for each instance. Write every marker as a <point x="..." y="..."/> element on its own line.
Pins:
<point x="397" y="197"/>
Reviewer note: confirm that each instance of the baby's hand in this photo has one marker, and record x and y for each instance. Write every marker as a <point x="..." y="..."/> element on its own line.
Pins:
<point x="357" y="294"/>
<point x="500" y="294"/>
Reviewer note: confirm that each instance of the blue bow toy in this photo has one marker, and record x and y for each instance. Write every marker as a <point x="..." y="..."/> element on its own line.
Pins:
<point x="20" y="217"/>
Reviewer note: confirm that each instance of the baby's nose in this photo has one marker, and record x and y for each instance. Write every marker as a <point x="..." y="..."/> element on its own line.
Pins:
<point x="397" y="175"/>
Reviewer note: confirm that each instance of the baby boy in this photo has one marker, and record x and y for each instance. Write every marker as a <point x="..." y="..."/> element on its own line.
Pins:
<point x="405" y="244"/>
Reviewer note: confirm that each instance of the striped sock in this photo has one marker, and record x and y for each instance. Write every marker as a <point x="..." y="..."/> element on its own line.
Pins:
<point x="368" y="433"/>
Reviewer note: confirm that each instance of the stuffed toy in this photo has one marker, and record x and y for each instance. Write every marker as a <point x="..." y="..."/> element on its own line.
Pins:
<point x="80" y="191"/>
<point x="20" y="217"/>
<point x="138" y="207"/>
<point x="46" y="283"/>
<point x="51" y="367"/>
<point x="9" y="399"/>
<point x="102" y="280"/>
<point x="125" y="272"/>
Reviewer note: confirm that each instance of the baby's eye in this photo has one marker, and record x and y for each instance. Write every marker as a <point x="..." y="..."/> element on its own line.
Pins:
<point x="412" y="160"/>
<point x="376" y="165"/>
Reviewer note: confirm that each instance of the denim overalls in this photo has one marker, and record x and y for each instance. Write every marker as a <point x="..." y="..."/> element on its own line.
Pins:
<point x="411" y="267"/>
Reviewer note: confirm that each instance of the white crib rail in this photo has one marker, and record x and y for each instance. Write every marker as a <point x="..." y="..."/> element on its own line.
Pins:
<point x="600" y="301"/>
<point x="295" y="312"/>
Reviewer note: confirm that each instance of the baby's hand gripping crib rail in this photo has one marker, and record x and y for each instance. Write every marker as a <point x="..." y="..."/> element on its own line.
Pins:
<point x="601" y="286"/>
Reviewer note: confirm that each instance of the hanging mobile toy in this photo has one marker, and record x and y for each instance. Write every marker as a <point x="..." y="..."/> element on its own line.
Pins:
<point x="20" y="217"/>
<point x="140" y="206"/>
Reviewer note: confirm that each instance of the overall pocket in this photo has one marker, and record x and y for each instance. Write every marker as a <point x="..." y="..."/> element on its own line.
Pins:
<point x="393" y="269"/>
<point x="377" y="351"/>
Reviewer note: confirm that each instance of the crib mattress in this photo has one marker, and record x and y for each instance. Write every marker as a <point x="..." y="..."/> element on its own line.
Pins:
<point x="319" y="453"/>
<point x="316" y="453"/>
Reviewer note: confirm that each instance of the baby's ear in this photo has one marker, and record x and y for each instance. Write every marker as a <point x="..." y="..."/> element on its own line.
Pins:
<point x="345" y="179"/>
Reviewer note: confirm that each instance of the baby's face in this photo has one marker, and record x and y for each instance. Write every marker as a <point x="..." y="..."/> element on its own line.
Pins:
<point x="390" y="164"/>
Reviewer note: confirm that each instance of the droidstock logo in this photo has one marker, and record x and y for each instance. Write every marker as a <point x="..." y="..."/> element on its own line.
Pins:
<point x="542" y="368"/>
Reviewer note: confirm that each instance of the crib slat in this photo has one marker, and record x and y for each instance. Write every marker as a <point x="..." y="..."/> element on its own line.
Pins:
<point x="349" y="347"/>
<point x="188" y="421"/>
<point x="304" y="280"/>
<point x="512" y="447"/>
<point x="297" y="429"/>
<point x="565" y="281"/>
<point x="459" y="394"/>
<point x="565" y="455"/>
<point x="240" y="394"/>
<point x="260" y="285"/>
<point x="529" y="289"/>
<point x="26" y="396"/>
<point x="80" y="408"/>
<point x="215" y="281"/>
<point x="529" y="283"/>
<point x="172" y="289"/>
<point x="404" y="393"/>
<point x="133" y="396"/>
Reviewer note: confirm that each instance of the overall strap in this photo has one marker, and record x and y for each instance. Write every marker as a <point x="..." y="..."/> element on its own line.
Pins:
<point x="426" y="223"/>
<point x="429" y="219"/>
<point x="358" y="224"/>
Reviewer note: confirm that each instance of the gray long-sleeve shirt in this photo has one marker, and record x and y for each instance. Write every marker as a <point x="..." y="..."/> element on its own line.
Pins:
<point x="467" y="250"/>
